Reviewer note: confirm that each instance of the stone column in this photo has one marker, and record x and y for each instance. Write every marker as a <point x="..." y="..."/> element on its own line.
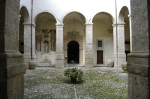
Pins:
<point x="139" y="59"/>
<point x="27" y="43"/>
<point x="89" y="58"/>
<point x="115" y="53"/>
<point x="130" y="33"/>
<point x="59" y="47"/>
<point x="32" y="63"/>
<point x="121" y="44"/>
<point x="12" y="68"/>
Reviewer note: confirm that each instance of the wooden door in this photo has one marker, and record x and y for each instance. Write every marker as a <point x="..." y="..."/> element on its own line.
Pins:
<point x="99" y="57"/>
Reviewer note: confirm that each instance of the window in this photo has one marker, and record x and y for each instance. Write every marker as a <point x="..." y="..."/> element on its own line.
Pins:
<point x="99" y="43"/>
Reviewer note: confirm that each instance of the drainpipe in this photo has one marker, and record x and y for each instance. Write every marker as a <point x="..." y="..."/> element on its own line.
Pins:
<point x="116" y="30"/>
<point x="31" y="26"/>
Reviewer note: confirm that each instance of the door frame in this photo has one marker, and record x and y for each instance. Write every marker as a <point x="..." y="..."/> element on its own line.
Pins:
<point x="103" y="58"/>
<point x="100" y="48"/>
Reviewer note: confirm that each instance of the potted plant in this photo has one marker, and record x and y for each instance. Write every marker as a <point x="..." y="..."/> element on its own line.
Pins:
<point x="74" y="73"/>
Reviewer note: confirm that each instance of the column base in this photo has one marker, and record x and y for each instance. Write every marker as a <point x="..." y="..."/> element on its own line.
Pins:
<point x="32" y="64"/>
<point x="89" y="63"/>
<point x="27" y="58"/>
<point x="12" y="72"/>
<point x="138" y="75"/>
<point x="59" y="61"/>
<point x="59" y="64"/>
<point x="121" y="59"/>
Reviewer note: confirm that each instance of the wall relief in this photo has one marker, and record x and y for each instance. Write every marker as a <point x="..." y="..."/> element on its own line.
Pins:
<point x="46" y="41"/>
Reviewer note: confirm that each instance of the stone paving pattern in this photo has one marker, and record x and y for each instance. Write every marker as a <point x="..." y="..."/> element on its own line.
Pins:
<point x="98" y="83"/>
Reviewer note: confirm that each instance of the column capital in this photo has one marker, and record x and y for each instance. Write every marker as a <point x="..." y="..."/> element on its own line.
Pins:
<point x="88" y="23"/>
<point x="121" y="23"/>
<point x="59" y="24"/>
<point x="129" y="15"/>
<point x="19" y="17"/>
<point x="29" y="24"/>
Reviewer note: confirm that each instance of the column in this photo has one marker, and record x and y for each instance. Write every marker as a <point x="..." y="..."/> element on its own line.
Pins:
<point x="89" y="58"/>
<point x="27" y="43"/>
<point x="12" y="68"/>
<point x="115" y="54"/>
<point x="32" y="63"/>
<point x="130" y="33"/>
<point x="59" y="47"/>
<point x="121" y="45"/>
<point x="139" y="59"/>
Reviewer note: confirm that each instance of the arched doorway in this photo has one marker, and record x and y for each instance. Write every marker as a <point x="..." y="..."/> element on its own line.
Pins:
<point x="73" y="52"/>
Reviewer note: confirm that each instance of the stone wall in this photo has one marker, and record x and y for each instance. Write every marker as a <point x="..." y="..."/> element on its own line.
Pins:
<point x="138" y="59"/>
<point x="11" y="61"/>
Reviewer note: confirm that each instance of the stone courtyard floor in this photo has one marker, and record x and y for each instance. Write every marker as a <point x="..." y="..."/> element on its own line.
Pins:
<point x="98" y="83"/>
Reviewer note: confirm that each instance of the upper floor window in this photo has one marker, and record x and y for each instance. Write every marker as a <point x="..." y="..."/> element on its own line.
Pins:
<point x="99" y="43"/>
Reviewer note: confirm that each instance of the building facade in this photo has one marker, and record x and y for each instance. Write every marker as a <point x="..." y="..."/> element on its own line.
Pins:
<point x="94" y="40"/>
<point x="12" y="68"/>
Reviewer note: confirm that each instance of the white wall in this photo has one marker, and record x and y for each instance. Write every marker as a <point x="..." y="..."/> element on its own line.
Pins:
<point x="100" y="33"/>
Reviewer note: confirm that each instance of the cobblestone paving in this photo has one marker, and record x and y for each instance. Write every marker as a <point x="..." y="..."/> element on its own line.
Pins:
<point x="98" y="83"/>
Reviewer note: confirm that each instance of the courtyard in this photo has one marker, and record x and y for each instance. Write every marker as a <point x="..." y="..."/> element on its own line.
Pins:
<point x="97" y="83"/>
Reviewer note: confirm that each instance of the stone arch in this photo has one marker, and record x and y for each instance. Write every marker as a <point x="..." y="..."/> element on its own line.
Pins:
<point x="73" y="40"/>
<point x="66" y="14"/>
<point x="42" y="12"/>
<point x="106" y="13"/>
<point x="124" y="19"/>
<point x="102" y="32"/>
<point x="24" y="19"/>
<point x="124" y="35"/>
<point x="124" y="10"/>
<point x="24" y="12"/>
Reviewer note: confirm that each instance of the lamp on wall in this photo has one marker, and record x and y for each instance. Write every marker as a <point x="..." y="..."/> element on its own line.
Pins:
<point x="74" y="31"/>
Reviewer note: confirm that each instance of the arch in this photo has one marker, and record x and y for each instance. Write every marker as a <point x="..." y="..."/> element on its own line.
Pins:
<point x="73" y="40"/>
<point x="124" y="10"/>
<point x="41" y="12"/>
<point x="112" y="18"/>
<point x="73" y="52"/>
<point x="69" y="12"/>
<point x="25" y="13"/>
